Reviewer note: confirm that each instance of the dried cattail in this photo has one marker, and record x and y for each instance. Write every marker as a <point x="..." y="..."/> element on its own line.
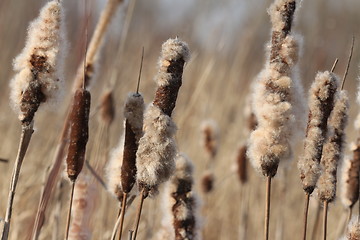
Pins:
<point x="353" y="232"/>
<point x="241" y="161"/>
<point x="78" y="133"/>
<point x="273" y="95"/>
<point x="107" y="108"/>
<point x="333" y="148"/>
<point x="207" y="181"/>
<point x="39" y="64"/>
<point x="181" y="201"/>
<point x="157" y="148"/>
<point x="83" y="206"/>
<point x="121" y="169"/>
<point x="210" y="132"/>
<point x="350" y="178"/>
<point x="134" y="111"/>
<point x="321" y="103"/>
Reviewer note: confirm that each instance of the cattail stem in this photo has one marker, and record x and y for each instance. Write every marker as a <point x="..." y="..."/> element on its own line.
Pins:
<point x="325" y="219"/>
<point x="138" y="214"/>
<point x="349" y="216"/>
<point x="267" y="208"/>
<point x="69" y="212"/>
<point x="26" y="133"/>
<point x="122" y="214"/>
<point x="316" y="224"/>
<point x="306" y="210"/>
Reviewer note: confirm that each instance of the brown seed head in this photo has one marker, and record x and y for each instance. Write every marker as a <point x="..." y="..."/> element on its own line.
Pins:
<point x="78" y="132"/>
<point x="242" y="164"/>
<point x="207" y="182"/>
<point x="107" y="108"/>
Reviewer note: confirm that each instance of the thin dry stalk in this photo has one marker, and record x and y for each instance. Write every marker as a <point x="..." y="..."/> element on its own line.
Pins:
<point x="325" y="213"/>
<point x="267" y="208"/>
<point x="306" y="210"/>
<point x="138" y="214"/>
<point x="122" y="214"/>
<point x="69" y="210"/>
<point x="25" y="138"/>
<point x="316" y="222"/>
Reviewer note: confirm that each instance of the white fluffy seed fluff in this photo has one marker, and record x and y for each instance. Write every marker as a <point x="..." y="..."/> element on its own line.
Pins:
<point x="180" y="203"/>
<point x="274" y="94"/>
<point x="353" y="229"/>
<point x="134" y="112"/>
<point x="172" y="50"/>
<point x="333" y="149"/>
<point x="82" y="209"/>
<point x="113" y="169"/>
<point x="320" y="105"/>
<point x="41" y="60"/>
<point x="157" y="149"/>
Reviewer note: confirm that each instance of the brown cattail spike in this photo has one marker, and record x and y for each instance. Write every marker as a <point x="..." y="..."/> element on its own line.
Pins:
<point x="79" y="119"/>
<point x="107" y="108"/>
<point x="128" y="168"/>
<point x="171" y="66"/>
<point x="242" y="164"/>
<point x="207" y="182"/>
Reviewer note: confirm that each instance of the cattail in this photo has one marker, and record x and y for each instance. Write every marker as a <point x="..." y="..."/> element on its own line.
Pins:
<point x="181" y="201"/>
<point x="83" y="207"/>
<point x="321" y="102"/>
<point x="210" y="137"/>
<point x="333" y="148"/>
<point x="39" y="65"/>
<point x="274" y="100"/>
<point x="350" y="179"/>
<point x="107" y="108"/>
<point x="37" y="80"/>
<point x="273" y="93"/>
<point x="78" y="133"/>
<point x="353" y="229"/>
<point x="207" y="181"/>
<point x="241" y="161"/>
<point x="134" y="110"/>
<point x="157" y="148"/>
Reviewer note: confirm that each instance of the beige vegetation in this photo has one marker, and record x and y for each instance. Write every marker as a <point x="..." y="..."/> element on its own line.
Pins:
<point x="228" y="44"/>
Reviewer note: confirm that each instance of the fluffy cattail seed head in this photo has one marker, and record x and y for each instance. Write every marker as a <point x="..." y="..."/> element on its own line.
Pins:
<point x="157" y="148"/>
<point x="353" y="231"/>
<point x="39" y="64"/>
<point x="333" y="148"/>
<point x="107" y="108"/>
<point x="181" y="201"/>
<point x="113" y="170"/>
<point x="174" y="54"/>
<point x="350" y="178"/>
<point x="273" y="95"/>
<point x="78" y="132"/>
<point x="321" y="103"/>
